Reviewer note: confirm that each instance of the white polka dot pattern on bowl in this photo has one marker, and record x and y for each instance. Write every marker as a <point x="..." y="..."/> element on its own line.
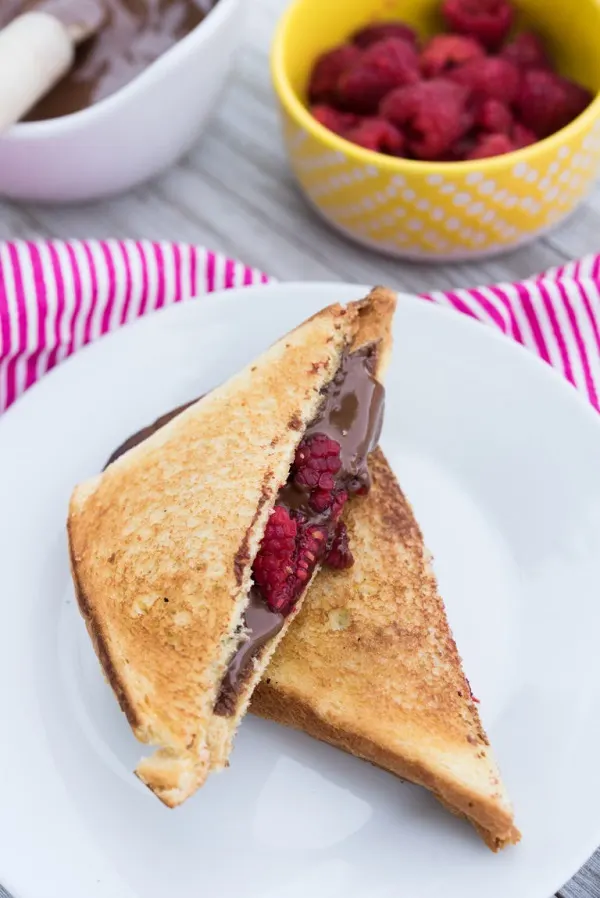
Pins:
<point x="456" y="211"/>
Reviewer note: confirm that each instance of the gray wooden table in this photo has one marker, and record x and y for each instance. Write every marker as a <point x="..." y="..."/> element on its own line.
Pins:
<point x="234" y="193"/>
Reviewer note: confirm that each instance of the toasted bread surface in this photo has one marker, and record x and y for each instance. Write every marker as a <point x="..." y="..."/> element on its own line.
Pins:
<point x="162" y="544"/>
<point x="370" y="666"/>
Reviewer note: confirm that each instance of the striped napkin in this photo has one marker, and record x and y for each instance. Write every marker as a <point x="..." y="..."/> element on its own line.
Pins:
<point x="57" y="296"/>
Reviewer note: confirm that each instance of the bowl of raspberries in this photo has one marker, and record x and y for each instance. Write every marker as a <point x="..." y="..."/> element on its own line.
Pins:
<point x="441" y="129"/>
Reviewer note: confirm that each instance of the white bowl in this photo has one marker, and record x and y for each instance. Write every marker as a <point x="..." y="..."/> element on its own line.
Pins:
<point x="132" y="134"/>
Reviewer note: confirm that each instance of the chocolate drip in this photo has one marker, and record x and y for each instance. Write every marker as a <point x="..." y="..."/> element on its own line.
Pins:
<point x="352" y="414"/>
<point x="261" y="625"/>
<point x="142" y="435"/>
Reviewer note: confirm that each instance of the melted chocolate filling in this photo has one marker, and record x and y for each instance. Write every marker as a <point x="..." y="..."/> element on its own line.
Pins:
<point x="142" y="435"/>
<point x="261" y="625"/>
<point x="352" y="414"/>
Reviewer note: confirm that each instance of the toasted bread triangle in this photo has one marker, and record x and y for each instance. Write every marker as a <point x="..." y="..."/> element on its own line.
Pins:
<point x="162" y="543"/>
<point x="370" y="666"/>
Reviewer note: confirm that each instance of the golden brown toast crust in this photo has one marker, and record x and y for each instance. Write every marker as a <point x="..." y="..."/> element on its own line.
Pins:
<point x="162" y="543"/>
<point x="370" y="666"/>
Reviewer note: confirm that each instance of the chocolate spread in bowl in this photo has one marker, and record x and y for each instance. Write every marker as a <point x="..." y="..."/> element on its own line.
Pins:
<point x="351" y="413"/>
<point x="134" y="33"/>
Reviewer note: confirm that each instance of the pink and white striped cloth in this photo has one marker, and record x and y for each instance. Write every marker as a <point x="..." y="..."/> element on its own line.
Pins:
<point x="57" y="296"/>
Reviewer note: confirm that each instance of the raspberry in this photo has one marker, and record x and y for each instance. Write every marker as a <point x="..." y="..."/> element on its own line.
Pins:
<point x="494" y="116"/>
<point x="321" y="500"/>
<point x="340" y="557"/>
<point x="379" y="31"/>
<point x="576" y="100"/>
<point x="548" y="102"/>
<point x="317" y="460"/>
<point x="491" y="145"/>
<point x="310" y="548"/>
<point x="378" y="135"/>
<point x="489" y="21"/>
<point x="489" y="77"/>
<point x="274" y="563"/>
<point x="327" y="70"/>
<point x="431" y="113"/>
<point x="459" y="150"/>
<point x="292" y="546"/>
<point x="382" y="67"/>
<point x="336" y="121"/>
<point x="316" y="463"/>
<point x="522" y="136"/>
<point x="445" y="51"/>
<point x="286" y="559"/>
<point x="339" y="500"/>
<point x="527" y="51"/>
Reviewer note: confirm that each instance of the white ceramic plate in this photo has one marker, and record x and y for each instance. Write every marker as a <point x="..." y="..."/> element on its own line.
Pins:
<point x="501" y="460"/>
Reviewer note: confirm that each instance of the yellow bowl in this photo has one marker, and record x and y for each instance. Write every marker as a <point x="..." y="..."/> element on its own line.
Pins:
<point x="437" y="211"/>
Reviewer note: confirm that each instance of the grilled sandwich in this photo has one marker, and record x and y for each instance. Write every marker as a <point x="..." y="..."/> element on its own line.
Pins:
<point x="193" y="551"/>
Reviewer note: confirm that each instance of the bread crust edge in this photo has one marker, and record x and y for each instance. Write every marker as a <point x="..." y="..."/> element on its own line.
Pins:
<point x="494" y="825"/>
